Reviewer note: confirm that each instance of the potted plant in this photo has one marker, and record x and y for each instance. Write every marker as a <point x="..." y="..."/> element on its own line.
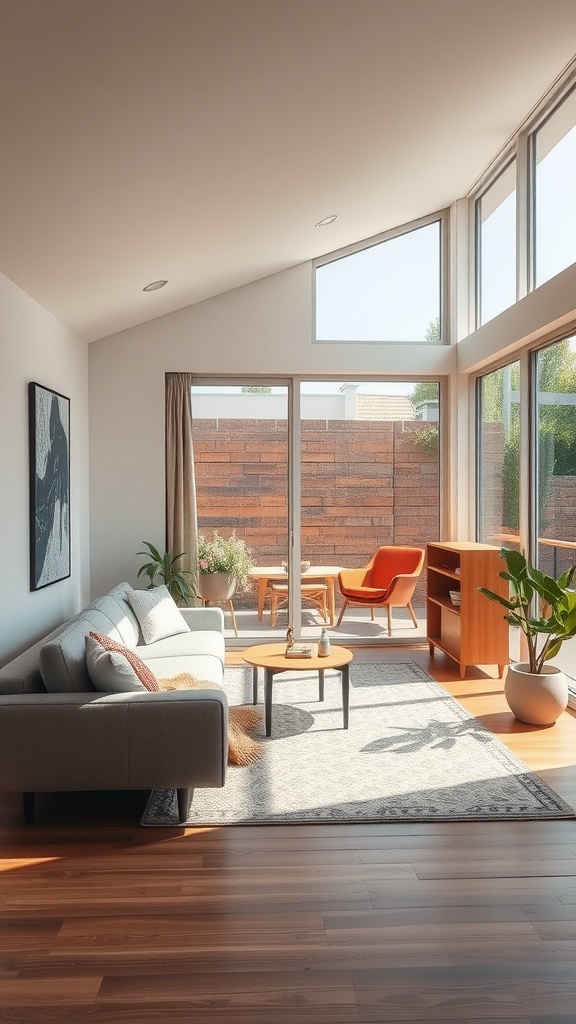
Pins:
<point x="178" y="580"/>
<point x="223" y="565"/>
<point x="536" y="691"/>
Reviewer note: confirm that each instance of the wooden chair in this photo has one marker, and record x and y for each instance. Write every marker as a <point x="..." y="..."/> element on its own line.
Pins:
<point x="389" y="581"/>
<point x="316" y="593"/>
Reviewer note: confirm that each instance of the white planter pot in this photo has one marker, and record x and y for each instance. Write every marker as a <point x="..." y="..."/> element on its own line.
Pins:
<point x="536" y="699"/>
<point x="216" y="587"/>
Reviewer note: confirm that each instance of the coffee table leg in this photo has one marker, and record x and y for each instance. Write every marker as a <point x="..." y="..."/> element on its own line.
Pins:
<point x="254" y="685"/>
<point x="268" y="680"/>
<point x="320" y="684"/>
<point x="345" y="670"/>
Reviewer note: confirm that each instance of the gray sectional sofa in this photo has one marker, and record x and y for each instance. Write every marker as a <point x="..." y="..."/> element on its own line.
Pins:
<point x="57" y="733"/>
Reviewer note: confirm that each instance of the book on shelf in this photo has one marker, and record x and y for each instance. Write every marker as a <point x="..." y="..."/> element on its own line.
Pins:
<point x="300" y="651"/>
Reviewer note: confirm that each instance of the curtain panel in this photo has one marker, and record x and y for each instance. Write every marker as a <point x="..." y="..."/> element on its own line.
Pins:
<point x="181" y="513"/>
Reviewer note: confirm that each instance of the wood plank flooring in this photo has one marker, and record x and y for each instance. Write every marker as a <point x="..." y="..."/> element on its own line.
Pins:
<point x="474" y="923"/>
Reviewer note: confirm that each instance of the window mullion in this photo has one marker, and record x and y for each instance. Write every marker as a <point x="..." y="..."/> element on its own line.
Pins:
<point x="524" y="219"/>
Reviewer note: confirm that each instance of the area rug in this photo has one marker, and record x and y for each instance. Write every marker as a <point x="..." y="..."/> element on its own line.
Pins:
<point x="411" y="754"/>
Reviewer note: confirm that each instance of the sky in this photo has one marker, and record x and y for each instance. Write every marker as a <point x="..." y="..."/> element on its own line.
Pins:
<point x="317" y="387"/>
<point x="390" y="291"/>
<point x="555" y="228"/>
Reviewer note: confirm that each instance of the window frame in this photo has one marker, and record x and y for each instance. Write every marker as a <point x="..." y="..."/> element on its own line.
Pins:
<point x="545" y="116"/>
<point x="442" y="217"/>
<point x="503" y="166"/>
<point x="521" y="148"/>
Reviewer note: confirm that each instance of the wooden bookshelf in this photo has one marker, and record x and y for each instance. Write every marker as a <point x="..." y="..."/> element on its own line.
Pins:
<point x="476" y="632"/>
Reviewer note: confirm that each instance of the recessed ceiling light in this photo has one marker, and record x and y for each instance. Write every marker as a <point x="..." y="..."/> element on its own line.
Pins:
<point x="154" y="286"/>
<point x="327" y="220"/>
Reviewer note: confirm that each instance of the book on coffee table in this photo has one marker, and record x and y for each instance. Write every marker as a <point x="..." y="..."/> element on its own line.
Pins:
<point x="300" y="651"/>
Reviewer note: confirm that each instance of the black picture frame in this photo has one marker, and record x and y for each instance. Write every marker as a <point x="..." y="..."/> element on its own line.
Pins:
<point x="49" y="463"/>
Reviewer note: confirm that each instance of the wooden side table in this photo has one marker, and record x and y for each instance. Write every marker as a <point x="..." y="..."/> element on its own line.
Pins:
<point x="272" y="659"/>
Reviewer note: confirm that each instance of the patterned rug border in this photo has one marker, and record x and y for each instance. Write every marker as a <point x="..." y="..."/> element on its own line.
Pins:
<point x="161" y="808"/>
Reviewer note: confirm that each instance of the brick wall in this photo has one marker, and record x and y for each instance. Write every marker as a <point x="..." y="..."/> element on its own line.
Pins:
<point x="364" y="483"/>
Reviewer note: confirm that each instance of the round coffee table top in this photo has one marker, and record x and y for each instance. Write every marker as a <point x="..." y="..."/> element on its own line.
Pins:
<point x="272" y="656"/>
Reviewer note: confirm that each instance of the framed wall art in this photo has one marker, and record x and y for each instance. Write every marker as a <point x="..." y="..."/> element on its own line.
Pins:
<point x="49" y="425"/>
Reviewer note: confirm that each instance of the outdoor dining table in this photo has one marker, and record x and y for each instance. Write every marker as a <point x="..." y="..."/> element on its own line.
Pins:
<point x="328" y="574"/>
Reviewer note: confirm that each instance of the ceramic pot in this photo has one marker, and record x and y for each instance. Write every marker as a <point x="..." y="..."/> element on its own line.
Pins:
<point x="216" y="586"/>
<point x="537" y="699"/>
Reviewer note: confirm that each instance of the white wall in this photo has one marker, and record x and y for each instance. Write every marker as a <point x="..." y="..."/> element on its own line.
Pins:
<point x="35" y="346"/>
<point x="262" y="328"/>
<point x="550" y="307"/>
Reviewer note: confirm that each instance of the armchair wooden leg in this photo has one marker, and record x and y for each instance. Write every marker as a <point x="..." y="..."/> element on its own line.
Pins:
<point x="388" y="609"/>
<point x="343" y="609"/>
<point x="411" y="610"/>
<point x="273" y="608"/>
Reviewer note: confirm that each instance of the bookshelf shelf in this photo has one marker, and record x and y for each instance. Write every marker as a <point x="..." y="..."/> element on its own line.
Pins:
<point x="475" y="632"/>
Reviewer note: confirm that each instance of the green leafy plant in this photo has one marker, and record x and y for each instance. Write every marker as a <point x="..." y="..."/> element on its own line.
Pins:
<point x="225" y="554"/>
<point x="556" y="623"/>
<point x="427" y="440"/>
<point x="178" y="580"/>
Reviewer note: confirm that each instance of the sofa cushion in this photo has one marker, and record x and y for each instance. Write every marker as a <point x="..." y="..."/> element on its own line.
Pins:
<point x="203" y="666"/>
<point x="116" y="669"/>
<point x="200" y="652"/>
<point x="63" y="660"/>
<point x="157" y="613"/>
<point x="185" y="645"/>
<point x="123" y="624"/>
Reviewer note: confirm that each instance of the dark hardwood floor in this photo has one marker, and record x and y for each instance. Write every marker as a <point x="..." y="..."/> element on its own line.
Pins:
<point x="102" y="921"/>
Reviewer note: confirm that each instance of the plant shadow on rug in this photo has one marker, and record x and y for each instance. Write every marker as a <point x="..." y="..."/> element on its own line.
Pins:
<point x="412" y="753"/>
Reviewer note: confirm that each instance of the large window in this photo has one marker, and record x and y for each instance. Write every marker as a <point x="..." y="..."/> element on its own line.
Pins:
<point x="496" y="241"/>
<point x="555" y="468"/>
<point x="539" y="517"/>
<point x="555" y="192"/>
<point x="555" y="446"/>
<point x="525" y="213"/>
<point x="316" y="474"/>
<point x="388" y="290"/>
<point x="499" y="456"/>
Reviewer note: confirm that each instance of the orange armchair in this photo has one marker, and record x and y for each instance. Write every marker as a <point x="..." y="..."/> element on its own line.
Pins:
<point x="389" y="581"/>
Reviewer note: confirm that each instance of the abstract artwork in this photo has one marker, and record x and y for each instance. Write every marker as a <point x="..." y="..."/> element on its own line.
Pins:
<point x="49" y="419"/>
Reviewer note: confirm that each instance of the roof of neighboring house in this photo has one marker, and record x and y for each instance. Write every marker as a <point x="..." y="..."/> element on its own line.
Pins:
<point x="384" y="407"/>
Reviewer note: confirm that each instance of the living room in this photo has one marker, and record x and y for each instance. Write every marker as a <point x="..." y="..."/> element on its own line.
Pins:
<point x="94" y="336"/>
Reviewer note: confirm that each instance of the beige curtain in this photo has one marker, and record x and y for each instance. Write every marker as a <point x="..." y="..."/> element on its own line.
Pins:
<point x="181" y="515"/>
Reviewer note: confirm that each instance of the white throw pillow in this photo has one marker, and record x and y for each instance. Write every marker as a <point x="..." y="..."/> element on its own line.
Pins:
<point x="109" y="671"/>
<point x="157" y="613"/>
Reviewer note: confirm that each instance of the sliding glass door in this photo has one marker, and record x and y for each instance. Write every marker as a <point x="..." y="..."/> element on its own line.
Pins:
<point x="240" y="438"/>
<point x="315" y="476"/>
<point x="369" y="478"/>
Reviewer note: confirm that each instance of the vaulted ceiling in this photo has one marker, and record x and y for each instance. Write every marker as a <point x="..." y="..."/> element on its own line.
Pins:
<point x="200" y="141"/>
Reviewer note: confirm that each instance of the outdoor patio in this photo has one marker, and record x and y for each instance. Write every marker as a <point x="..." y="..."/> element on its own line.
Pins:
<point x="357" y="628"/>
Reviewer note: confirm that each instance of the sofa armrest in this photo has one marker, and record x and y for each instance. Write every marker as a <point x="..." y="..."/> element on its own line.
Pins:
<point x="80" y="741"/>
<point x="204" y="618"/>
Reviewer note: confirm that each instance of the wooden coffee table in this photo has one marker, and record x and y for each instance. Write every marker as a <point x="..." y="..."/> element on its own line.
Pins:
<point x="271" y="658"/>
